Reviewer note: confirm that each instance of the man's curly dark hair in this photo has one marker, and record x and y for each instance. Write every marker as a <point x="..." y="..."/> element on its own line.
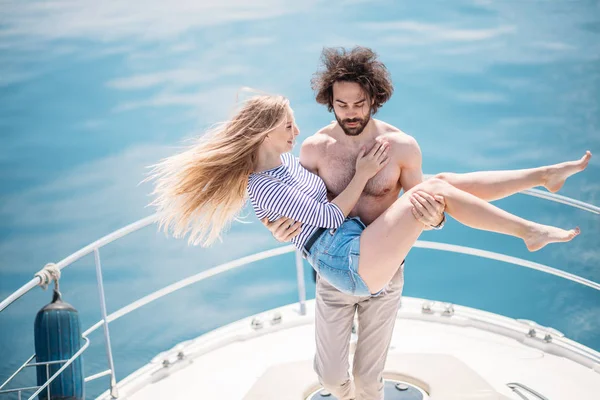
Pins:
<point x="358" y="65"/>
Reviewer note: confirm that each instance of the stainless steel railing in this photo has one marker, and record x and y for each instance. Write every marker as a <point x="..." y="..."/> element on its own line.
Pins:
<point x="106" y="318"/>
<point x="518" y="387"/>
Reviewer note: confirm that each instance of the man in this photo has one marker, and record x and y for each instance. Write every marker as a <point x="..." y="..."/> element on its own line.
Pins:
<point x="354" y="85"/>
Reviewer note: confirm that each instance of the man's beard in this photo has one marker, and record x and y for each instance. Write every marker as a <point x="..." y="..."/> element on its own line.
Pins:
<point x="357" y="130"/>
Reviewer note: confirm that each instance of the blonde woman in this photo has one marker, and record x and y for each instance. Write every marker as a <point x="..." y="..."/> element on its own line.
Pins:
<point x="200" y="191"/>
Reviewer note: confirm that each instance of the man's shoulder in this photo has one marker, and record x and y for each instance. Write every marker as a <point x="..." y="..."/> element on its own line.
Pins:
<point x="396" y="136"/>
<point x="404" y="147"/>
<point x="320" y="139"/>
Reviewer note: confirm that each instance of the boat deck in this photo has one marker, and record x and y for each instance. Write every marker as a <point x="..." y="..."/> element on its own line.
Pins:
<point x="450" y="356"/>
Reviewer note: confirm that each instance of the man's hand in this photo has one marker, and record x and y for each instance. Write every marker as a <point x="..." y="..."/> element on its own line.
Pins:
<point x="427" y="209"/>
<point x="283" y="229"/>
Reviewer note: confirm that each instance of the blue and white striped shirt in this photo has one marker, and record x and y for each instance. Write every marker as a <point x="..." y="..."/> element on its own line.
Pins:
<point x="292" y="191"/>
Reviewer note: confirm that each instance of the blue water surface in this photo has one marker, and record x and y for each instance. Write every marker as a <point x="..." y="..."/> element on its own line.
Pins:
<point x="93" y="92"/>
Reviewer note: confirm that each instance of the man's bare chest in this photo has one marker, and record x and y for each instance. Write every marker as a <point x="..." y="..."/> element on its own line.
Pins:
<point x="338" y="167"/>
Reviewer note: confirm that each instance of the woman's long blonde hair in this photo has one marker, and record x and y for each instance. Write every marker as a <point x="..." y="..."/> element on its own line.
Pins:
<point x="201" y="190"/>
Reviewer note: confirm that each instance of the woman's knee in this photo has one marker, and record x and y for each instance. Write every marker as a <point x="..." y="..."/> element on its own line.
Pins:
<point x="445" y="176"/>
<point x="434" y="186"/>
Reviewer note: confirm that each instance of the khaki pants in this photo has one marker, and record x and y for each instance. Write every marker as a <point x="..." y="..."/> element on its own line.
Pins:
<point x="334" y="314"/>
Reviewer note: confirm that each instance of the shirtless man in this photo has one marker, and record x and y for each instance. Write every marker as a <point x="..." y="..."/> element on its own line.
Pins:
<point x="354" y="85"/>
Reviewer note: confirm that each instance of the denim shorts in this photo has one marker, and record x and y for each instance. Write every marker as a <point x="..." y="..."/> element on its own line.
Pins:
<point x="334" y="255"/>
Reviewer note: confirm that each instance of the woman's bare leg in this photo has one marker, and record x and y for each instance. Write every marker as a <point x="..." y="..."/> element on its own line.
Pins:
<point x="494" y="185"/>
<point x="387" y="241"/>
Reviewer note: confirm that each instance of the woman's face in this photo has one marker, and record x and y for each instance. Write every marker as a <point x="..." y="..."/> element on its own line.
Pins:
<point x="283" y="138"/>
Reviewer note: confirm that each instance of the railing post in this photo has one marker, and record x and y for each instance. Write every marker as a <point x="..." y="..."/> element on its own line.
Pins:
<point x="48" y="378"/>
<point x="301" y="286"/>
<point x="113" y="380"/>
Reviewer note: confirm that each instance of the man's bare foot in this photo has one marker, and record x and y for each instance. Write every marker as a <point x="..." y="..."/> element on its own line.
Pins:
<point x="541" y="235"/>
<point x="558" y="173"/>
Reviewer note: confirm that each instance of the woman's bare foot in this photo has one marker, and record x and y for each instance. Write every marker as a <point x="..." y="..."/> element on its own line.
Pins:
<point x="541" y="235"/>
<point x="558" y="173"/>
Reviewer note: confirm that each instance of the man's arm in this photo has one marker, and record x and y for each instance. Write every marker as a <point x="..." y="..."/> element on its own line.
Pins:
<point x="283" y="229"/>
<point x="410" y="159"/>
<point x="310" y="154"/>
<point x="431" y="212"/>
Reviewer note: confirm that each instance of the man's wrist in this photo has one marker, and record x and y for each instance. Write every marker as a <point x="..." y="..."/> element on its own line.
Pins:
<point x="441" y="224"/>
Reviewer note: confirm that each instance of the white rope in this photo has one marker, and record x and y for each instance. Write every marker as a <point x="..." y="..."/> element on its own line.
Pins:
<point x="49" y="273"/>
